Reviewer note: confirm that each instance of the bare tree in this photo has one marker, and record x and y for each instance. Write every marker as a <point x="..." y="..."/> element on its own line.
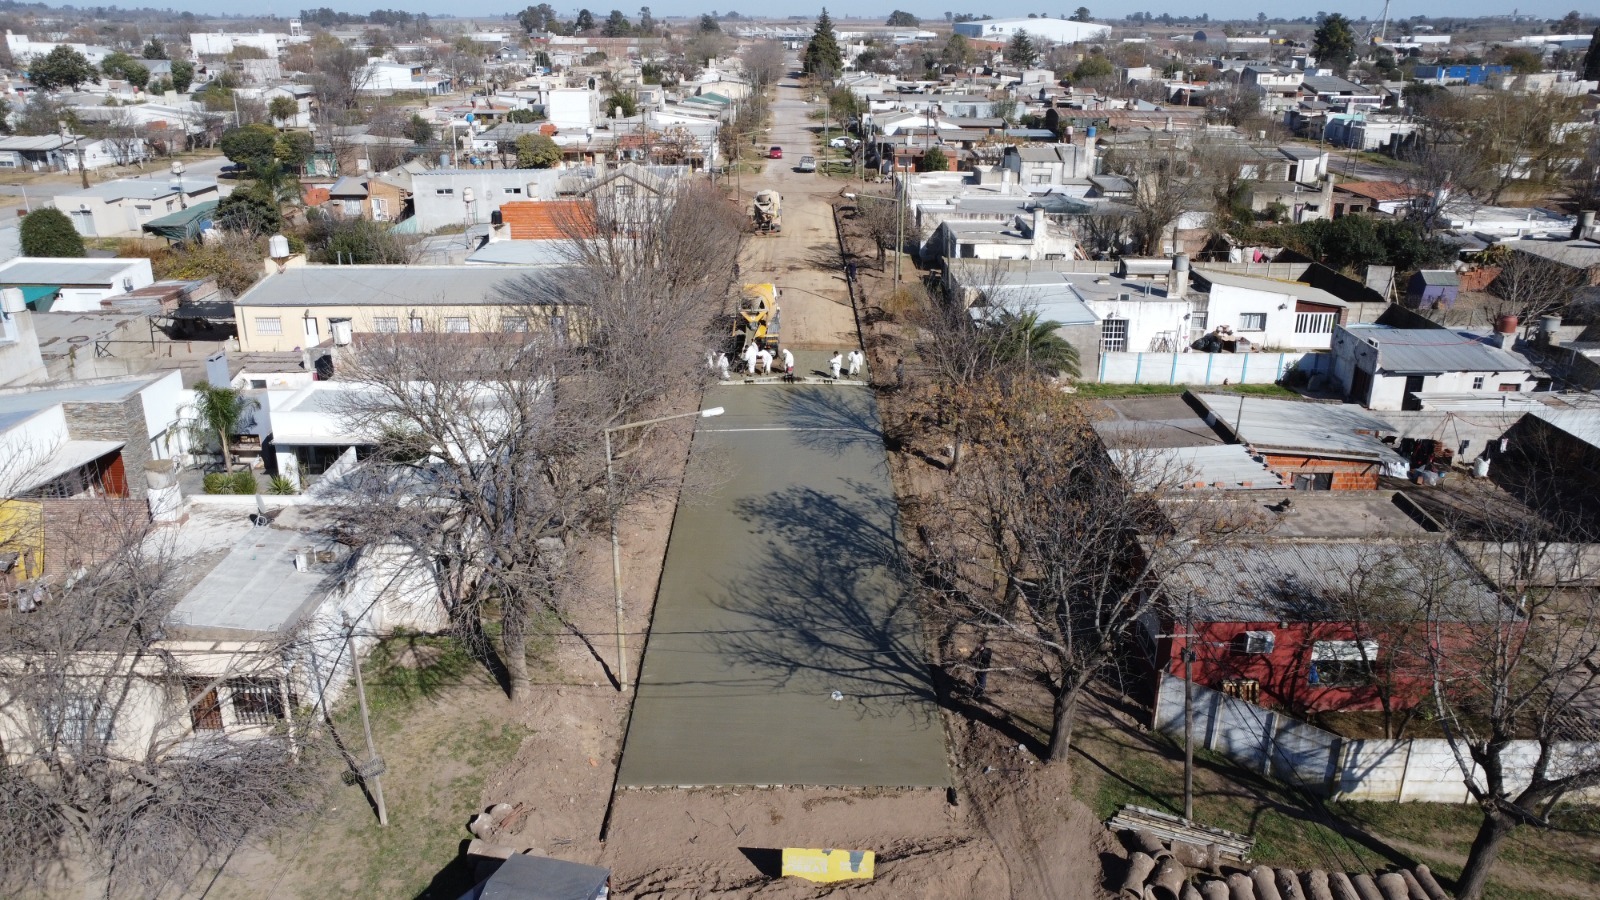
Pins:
<point x="1168" y="182"/>
<point x="1052" y="550"/>
<point x="1529" y="286"/>
<point x="492" y="501"/>
<point x="763" y="64"/>
<point x="104" y="773"/>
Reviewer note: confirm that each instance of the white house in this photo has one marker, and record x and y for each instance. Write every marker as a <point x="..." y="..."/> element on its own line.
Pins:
<point x="383" y="76"/>
<point x="122" y="207"/>
<point x="24" y="49"/>
<point x="50" y="284"/>
<point x="216" y="43"/>
<point x="54" y="152"/>
<point x="1268" y="312"/>
<point x="1382" y="367"/>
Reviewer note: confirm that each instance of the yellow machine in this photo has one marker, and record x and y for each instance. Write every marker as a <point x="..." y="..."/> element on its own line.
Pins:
<point x="758" y="314"/>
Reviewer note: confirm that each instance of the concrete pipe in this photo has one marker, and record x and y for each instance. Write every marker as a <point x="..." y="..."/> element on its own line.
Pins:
<point x="1189" y="892"/>
<point x="1430" y="885"/>
<point x="1140" y="865"/>
<point x="1266" y="882"/>
<point x="1240" y="887"/>
<point x="1206" y="857"/>
<point x="1141" y="841"/>
<point x="1413" y="887"/>
<point x="1215" y="889"/>
<point x="1289" y="885"/>
<point x="1316" y="884"/>
<point x="1341" y="887"/>
<point x="1366" y="888"/>
<point x="1166" y="882"/>
<point x="1393" y="886"/>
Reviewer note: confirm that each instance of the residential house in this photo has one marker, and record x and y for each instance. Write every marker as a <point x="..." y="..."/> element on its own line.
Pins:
<point x="1268" y="312"/>
<point x="1339" y="92"/>
<point x="67" y="153"/>
<point x="73" y="285"/>
<point x="1310" y="446"/>
<point x="381" y="198"/>
<point x="321" y="306"/>
<point x="1579" y="257"/>
<point x="20" y="359"/>
<point x="385" y="77"/>
<point x="122" y="207"/>
<point x="1387" y="197"/>
<point x="303" y="96"/>
<point x="1385" y="367"/>
<point x="1279" y="87"/>
<point x="443" y="198"/>
<point x="1050" y="163"/>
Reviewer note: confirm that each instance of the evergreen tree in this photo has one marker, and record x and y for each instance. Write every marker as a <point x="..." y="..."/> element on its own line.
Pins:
<point x="1334" y="43"/>
<point x="1022" y="52"/>
<point x="584" y="22"/>
<point x="933" y="161"/>
<point x="1591" y="59"/>
<point x="537" y="151"/>
<point x="62" y="67"/>
<point x="154" y="50"/>
<point x="822" y="58"/>
<point x="48" y="232"/>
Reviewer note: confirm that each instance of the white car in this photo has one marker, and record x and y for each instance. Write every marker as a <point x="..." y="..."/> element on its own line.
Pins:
<point x="845" y="142"/>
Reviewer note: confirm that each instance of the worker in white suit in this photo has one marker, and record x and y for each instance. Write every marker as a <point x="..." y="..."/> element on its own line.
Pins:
<point x="835" y="362"/>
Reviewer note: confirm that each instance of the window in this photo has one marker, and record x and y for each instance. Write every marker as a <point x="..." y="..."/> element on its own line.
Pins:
<point x="1342" y="663"/>
<point x="205" y="710"/>
<point x="269" y="325"/>
<point x="513" y="190"/>
<point x="517" y="324"/>
<point x="386" y="324"/>
<point x="1313" y="323"/>
<point x="624" y="190"/>
<point x="79" y="719"/>
<point x="1114" y="336"/>
<point x="1252" y="321"/>
<point x="457" y="324"/>
<point x="1477" y="382"/>
<point x="417" y="325"/>
<point x="1509" y="387"/>
<point x="380" y="209"/>
<point x="350" y="207"/>
<point x="443" y="191"/>
<point x="256" y="701"/>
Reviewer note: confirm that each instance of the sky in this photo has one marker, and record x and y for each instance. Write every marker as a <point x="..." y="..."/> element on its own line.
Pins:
<point x="1218" y="9"/>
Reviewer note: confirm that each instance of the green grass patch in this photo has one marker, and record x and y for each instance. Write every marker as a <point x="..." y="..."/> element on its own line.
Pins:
<point x="1096" y="391"/>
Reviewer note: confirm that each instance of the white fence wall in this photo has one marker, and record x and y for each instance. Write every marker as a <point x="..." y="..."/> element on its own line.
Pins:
<point x="1298" y="753"/>
<point x="1203" y="368"/>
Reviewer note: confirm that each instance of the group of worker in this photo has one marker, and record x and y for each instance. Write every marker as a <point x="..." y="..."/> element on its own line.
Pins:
<point x="758" y="361"/>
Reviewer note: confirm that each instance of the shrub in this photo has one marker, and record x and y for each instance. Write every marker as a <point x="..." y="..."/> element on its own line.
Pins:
<point x="48" y="232"/>
<point x="281" y="486"/>
<point x="218" y="483"/>
<point x="244" y="482"/>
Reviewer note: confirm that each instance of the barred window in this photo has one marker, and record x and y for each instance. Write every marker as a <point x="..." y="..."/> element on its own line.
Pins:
<point x="256" y="701"/>
<point x="269" y="325"/>
<point x="1114" y="336"/>
<point x="386" y="324"/>
<point x="457" y="324"/>
<point x="1252" y="321"/>
<point x="205" y="710"/>
<point x="75" y="719"/>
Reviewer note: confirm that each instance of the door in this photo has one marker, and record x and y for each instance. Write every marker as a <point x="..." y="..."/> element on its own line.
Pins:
<point x="1413" y="386"/>
<point x="1360" y="387"/>
<point x="205" y="710"/>
<point x="313" y="333"/>
<point x="83" y="222"/>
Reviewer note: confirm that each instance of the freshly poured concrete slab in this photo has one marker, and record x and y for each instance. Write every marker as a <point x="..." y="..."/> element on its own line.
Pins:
<point x="780" y="589"/>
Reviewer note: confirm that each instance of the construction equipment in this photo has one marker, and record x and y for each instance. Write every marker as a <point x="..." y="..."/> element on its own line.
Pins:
<point x="767" y="212"/>
<point x="758" y="316"/>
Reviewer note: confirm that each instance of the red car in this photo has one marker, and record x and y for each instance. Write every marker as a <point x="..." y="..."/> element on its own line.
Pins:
<point x="775" y="153"/>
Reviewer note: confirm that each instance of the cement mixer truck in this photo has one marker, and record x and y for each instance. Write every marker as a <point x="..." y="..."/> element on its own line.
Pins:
<point x="767" y="212"/>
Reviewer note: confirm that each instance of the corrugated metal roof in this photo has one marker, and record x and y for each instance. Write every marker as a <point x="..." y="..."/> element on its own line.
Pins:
<point x="1301" y="580"/>
<point x="386" y="286"/>
<point x="1326" y="429"/>
<point x="1296" y="289"/>
<point x="1207" y="467"/>
<point x="1583" y="424"/>
<point x="1441" y="277"/>
<point x="1427" y="350"/>
<point x="60" y="272"/>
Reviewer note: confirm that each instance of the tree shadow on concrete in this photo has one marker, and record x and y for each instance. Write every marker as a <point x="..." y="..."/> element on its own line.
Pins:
<point x="831" y="615"/>
<point x="829" y="419"/>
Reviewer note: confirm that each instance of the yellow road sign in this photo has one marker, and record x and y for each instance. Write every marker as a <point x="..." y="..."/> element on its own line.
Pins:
<point x="827" y="865"/>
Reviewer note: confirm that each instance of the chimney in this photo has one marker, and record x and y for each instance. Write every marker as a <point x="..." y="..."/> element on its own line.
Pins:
<point x="1585" y="225"/>
<point x="1178" y="286"/>
<point x="1038" y="225"/>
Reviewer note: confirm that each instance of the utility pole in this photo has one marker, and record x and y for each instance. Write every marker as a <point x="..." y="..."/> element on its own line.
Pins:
<point x="372" y="770"/>
<point x="1188" y="636"/>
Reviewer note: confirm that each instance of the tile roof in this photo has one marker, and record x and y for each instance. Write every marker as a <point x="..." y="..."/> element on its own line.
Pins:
<point x="548" y="220"/>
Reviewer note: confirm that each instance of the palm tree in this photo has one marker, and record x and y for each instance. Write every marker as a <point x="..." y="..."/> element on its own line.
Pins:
<point x="219" y="410"/>
<point x="1033" y="343"/>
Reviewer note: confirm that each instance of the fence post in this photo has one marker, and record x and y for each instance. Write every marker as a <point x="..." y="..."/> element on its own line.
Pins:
<point x="1405" y="772"/>
<point x="1138" y="366"/>
<point x="1336" y="764"/>
<point x="1210" y="358"/>
<point x="1102" y="367"/>
<point x="1244" y="367"/>
<point x="1173" y="378"/>
<point x="1269" y="742"/>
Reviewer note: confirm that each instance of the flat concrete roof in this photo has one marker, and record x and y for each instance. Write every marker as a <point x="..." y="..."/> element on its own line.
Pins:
<point x="779" y="589"/>
<point x="24" y="402"/>
<point x="39" y="270"/>
<point x="256" y="586"/>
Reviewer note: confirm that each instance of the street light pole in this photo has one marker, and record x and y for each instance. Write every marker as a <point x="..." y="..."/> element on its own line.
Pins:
<point x="616" y="545"/>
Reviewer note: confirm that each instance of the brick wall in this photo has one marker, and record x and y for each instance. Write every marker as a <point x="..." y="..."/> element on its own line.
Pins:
<point x="115" y="422"/>
<point x="1348" y="474"/>
<point x="85" y="531"/>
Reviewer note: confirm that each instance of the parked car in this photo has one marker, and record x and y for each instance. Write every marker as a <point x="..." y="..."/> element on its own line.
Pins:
<point x="807" y="164"/>
<point x="775" y="153"/>
<point x="847" y="143"/>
